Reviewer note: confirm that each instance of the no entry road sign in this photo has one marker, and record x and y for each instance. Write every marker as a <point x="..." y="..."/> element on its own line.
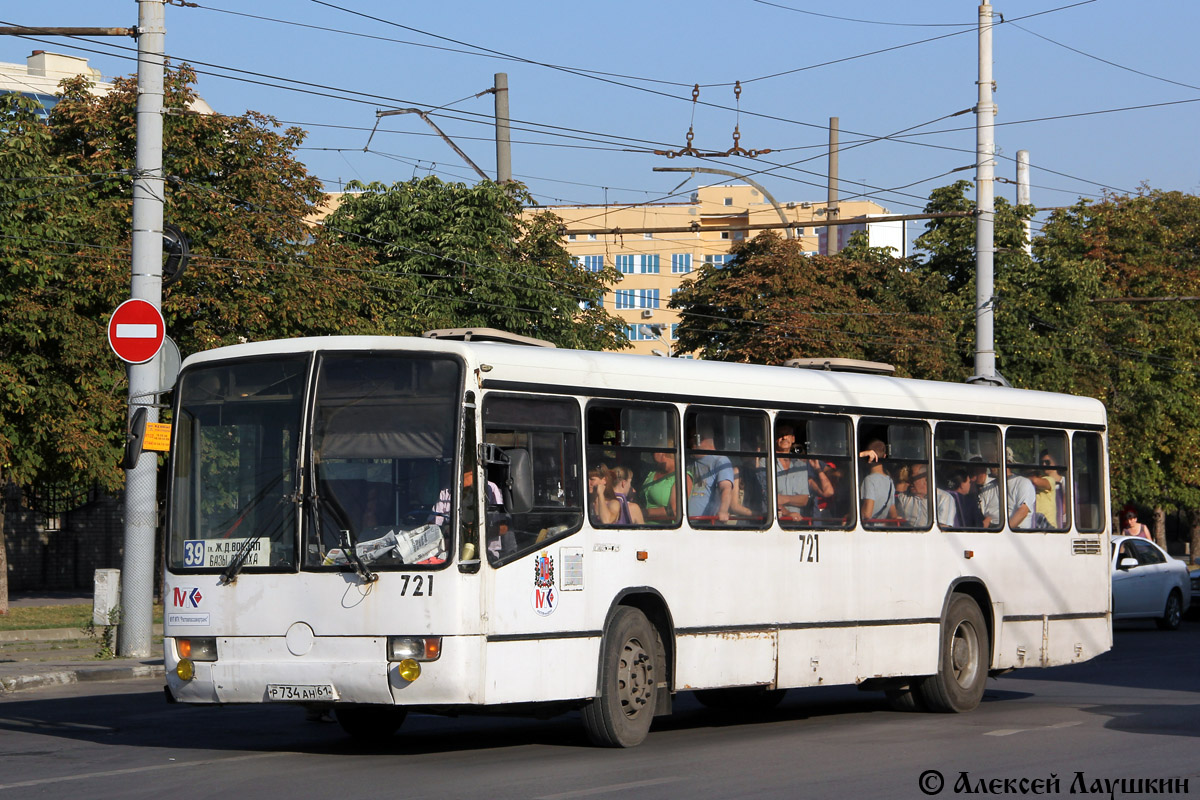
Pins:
<point x="136" y="331"/>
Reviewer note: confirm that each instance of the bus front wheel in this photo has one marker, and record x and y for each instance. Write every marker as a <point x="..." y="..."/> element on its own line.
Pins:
<point x="962" y="660"/>
<point x="629" y="673"/>
<point x="370" y="723"/>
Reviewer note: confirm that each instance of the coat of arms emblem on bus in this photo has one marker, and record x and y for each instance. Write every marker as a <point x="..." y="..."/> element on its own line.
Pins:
<point x="545" y="597"/>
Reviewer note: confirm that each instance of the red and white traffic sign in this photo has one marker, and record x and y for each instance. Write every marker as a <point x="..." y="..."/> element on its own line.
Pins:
<point x="136" y="331"/>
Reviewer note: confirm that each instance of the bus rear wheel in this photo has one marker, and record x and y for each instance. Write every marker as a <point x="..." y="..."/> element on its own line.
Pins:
<point x="962" y="660"/>
<point x="370" y="723"/>
<point x="629" y="673"/>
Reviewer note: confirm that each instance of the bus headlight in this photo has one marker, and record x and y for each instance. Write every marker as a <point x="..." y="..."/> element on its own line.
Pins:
<point x="197" y="649"/>
<point x="409" y="669"/>
<point x="414" y="648"/>
<point x="185" y="669"/>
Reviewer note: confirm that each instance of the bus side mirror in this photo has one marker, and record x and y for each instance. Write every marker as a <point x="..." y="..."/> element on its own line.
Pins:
<point x="134" y="438"/>
<point x="520" y="481"/>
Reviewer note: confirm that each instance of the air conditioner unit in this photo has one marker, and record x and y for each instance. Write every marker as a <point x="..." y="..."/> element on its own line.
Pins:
<point x="647" y="314"/>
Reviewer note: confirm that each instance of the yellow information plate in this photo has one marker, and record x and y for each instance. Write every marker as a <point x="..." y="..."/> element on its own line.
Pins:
<point x="158" y="436"/>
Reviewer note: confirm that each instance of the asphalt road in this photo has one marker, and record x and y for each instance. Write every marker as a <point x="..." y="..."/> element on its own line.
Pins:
<point x="1132" y="714"/>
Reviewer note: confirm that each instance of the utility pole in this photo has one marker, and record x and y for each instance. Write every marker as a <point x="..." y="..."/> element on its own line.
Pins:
<point x="831" y="205"/>
<point x="1023" y="198"/>
<point x="985" y="203"/>
<point x="141" y="482"/>
<point x="503" y="139"/>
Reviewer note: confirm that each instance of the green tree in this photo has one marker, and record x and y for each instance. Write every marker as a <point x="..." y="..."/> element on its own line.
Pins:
<point x="451" y="255"/>
<point x="1141" y="359"/>
<point x="948" y="252"/>
<point x="235" y="188"/>
<point x="771" y="302"/>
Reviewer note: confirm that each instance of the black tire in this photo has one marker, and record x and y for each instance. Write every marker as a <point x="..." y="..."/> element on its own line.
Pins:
<point x="1172" y="612"/>
<point x="629" y="675"/>
<point x="741" y="699"/>
<point x="962" y="660"/>
<point x="905" y="699"/>
<point x="370" y="723"/>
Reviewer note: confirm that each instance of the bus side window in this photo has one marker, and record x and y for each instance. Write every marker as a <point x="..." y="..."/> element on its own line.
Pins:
<point x="633" y="465"/>
<point x="1038" y="468"/>
<point x="1088" y="471"/>
<point x="727" y="468"/>
<point x="813" y="487"/>
<point x="894" y="481"/>
<point x="967" y="470"/>
<point x="532" y="493"/>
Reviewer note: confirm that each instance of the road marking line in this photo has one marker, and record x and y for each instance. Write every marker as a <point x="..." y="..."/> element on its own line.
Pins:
<point x="1011" y="731"/>
<point x="615" y="787"/>
<point x="134" y="770"/>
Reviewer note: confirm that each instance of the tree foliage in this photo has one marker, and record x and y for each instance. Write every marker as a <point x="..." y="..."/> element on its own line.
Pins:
<point x="451" y="255"/>
<point x="236" y="190"/>
<point x="771" y="302"/>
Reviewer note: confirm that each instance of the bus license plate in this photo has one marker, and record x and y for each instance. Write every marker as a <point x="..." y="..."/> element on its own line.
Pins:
<point x="292" y="692"/>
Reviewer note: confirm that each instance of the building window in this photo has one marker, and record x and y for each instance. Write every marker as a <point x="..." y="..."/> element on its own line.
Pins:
<point x="724" y="234"/>
<point x="644" y="264"/>
<point x="590" y="263"/>
<point x="641" y="333"/>
<point x="674" y="331"/>
<point x="624" y="298"/>
<point x="718" y="261"/>
<point x="728" y="201"/>
<point x="681" y="263"/>
<point x="647" y="235"/>
<point x="591" y="237"/>
<point x="570" y="237"/>
<point x="799" y="231"/>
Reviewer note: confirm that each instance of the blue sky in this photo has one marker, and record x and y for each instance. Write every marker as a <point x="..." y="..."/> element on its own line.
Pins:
<point x="622" y="76"/>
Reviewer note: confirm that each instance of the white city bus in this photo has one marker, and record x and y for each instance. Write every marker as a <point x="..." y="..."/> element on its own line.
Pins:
<point x="375" y="525"/>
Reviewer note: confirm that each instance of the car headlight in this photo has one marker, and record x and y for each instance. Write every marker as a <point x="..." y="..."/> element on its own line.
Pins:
<point x="416" y="648"/>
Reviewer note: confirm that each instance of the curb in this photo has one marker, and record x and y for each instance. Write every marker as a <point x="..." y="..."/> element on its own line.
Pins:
<point x="63" y="677"/>
<point x="54" y="634"/>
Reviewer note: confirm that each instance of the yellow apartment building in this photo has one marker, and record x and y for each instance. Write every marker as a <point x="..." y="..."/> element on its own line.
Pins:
<point x="652" y="264"/>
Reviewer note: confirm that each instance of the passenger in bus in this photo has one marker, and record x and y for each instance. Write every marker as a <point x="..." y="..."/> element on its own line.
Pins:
<point x="500" y="539"/>
<point x="791" y="477"/>
<point x="966" y="504"/>
<point x="1021" y="496"/>
<point x="987" y="493"/>
<point x="608" y="490"/>
<point x="628" y="512"/>
<point x="711" y="491"/>
<point x="1050" y="484"/>
<point x="822" y="487"/>
<point x="658" y="490"/>
<point x="877" y="490"/>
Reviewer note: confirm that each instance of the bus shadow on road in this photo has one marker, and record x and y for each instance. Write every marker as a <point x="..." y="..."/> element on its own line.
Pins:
<point x="1159" y="719"/>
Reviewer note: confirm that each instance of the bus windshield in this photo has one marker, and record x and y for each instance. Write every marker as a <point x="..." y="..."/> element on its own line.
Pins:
<point x="382" y="461"/>
<point x="378" y="465"/>
<point x="237" y="428"/>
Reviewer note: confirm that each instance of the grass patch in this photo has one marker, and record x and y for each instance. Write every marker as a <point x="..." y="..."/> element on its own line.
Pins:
<point x="37" y="617"/>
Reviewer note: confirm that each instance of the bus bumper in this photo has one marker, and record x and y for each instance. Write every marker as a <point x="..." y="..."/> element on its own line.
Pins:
<point x="338" y="669"/>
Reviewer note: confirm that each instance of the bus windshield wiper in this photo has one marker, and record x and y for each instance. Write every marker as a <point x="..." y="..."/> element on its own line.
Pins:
<point x="351" y="551"/>
<point x="238" y="561"/>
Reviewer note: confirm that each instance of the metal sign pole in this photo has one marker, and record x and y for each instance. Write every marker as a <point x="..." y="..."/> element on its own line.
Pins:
<point x="141" y="482"/>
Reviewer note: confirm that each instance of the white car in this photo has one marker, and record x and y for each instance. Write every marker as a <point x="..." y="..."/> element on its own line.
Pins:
<point x="1147" y="583"/>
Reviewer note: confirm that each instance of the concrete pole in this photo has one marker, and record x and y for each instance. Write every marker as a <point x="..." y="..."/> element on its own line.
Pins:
<point x="831" y="204"/>
<point x="141" y="484"/>
<point x="985" y="203"/>
<point x="503" y="140"/>
<point x="1023" y="198"/>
